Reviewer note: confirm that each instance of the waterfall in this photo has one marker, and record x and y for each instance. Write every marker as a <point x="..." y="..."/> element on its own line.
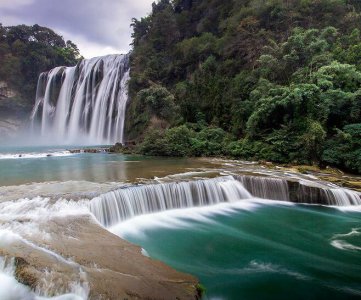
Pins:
<point x="342" y="197"/>
<point x="298" y="191"/>
<point x="124" y="203"/>
<point x="266" y="187"/>
<point x="83" y="104"/>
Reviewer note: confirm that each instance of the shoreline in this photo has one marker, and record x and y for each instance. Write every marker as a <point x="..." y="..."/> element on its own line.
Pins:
<point x="329" y="173"/>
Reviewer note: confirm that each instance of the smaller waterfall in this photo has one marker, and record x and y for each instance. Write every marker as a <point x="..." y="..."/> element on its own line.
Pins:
<point x="83" y="104"/>
<point x="299" y="192"/>
<point x="266" y="187"/>
<point x="342" y="197"/>
<point x="119" y="205"/>
<point x="124" y="203"/>
<point x="303" y="192"/>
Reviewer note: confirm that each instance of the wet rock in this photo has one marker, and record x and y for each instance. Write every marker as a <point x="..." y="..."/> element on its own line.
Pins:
<point x="24" y="273"/>
<point x="88" y="150"/>
<point x="300" y="193"/>
<point x="74" y="151"/>
<point x="119" y="148"/>
<point x="83" y="252"/>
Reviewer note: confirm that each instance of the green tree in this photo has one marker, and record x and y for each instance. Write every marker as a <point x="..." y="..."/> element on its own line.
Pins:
<point x="344" y="149"/>
<point x="26" y="51"/>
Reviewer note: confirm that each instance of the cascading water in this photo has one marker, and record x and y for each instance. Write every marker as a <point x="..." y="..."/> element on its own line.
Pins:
<point x="340" y="196"/>
<point x="85" y="103"/>
<point x="119" y="205"/>
<point x="266" y="187"/>
<point x="122" y="204"/>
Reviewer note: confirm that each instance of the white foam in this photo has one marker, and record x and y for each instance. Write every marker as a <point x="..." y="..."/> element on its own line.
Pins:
<point x="353" y="232"/>
<point x="34" y="155"/>
<point x="20" y="222"/>
<point x="349" y="208"/>
<point x="19" y="226"/>
<point x="181" y="218"/>
<point x="9" y="238"/>
<point x="40" y="208"/>
<point x="145" y="253"/>
<point x="343" y="245"/>
<point x="11" y="289"/>
<point x="338" y="240"/>
<point x="261" y="267"/>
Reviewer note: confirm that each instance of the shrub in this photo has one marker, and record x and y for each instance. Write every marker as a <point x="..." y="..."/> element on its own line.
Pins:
<point x="153" y="144"/>
<point x="178" y="141"/>
<point x="344" y="149"/>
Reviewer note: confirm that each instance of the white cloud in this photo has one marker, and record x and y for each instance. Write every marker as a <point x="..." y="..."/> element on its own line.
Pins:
<point x="91" y="49"/>
<point x="13" y="3"/>
<point x="98" y="27"/>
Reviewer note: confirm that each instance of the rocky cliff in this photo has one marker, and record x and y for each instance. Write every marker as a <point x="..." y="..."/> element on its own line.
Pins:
<point x="14" y="111"/>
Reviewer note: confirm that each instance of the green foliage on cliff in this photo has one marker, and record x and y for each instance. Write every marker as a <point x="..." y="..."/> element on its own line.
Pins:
<point x="344" y="149"/>
<point x="184" y="141"/>
<point x="26" y="51"/>
<point x="277" y="79"/>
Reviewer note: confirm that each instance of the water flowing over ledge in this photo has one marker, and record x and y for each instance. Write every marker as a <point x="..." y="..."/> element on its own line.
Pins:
<point x="124" y="203"/>
<point x="52" y="233"/>
<point x="42" y="255"/>
<point x="83" y="104"/>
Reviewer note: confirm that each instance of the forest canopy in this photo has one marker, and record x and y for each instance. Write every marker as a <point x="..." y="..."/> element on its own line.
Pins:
<point x="26" y="51"/>
<point x="278" y="80"/>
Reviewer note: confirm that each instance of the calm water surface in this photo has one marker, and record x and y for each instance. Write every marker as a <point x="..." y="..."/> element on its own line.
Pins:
<point x="256" y="250"/>
<point x="40" y="164"/>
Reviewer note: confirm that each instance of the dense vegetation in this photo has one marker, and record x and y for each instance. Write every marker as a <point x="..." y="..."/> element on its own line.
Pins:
<point x="26" y="51"/>
<point x="277" y="80"/>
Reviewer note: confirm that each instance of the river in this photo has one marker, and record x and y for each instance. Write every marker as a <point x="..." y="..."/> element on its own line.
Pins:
<point x="195" y="215"/>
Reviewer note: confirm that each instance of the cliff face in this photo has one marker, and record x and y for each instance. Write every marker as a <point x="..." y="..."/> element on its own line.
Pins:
<point x="14" y="111"/>
<point x="6" y="91"/>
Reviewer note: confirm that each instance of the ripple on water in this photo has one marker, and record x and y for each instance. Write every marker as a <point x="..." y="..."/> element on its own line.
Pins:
<point x="341" y="240"/>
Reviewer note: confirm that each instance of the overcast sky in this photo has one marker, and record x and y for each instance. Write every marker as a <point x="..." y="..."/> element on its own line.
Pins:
<point x="97" y="27"/>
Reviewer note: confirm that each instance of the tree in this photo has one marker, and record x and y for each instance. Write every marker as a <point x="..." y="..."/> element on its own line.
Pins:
<point x="344" y="149"/>
<point x="159" y="101"/>
<point x="26" y="51"/>
<point x="281" y="76"/>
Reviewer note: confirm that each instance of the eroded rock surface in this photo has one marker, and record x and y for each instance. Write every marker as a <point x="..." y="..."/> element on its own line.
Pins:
<point x="73" y="249"/>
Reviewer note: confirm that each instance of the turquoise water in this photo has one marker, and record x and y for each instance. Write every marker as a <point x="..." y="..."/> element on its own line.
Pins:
<point x="258" y="251"/>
